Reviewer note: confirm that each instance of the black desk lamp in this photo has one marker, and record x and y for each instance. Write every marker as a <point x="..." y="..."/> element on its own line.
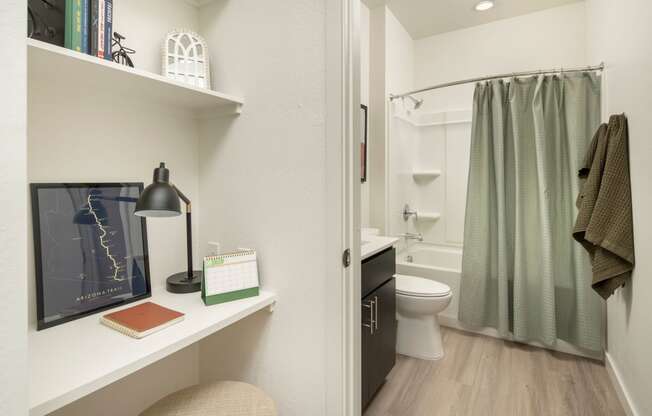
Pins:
<point x="161" y="199"/>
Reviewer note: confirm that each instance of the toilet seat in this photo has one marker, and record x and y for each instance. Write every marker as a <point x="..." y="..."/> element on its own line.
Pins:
<point x="420" y="287"/>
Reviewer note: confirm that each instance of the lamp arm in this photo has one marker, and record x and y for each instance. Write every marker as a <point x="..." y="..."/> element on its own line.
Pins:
<point x="185" y="199"/>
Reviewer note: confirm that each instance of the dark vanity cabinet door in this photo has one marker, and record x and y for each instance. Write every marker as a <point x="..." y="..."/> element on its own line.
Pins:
<point x="378" y="331"/>
<point x="377" y="270"/>
<point x="368" y="349"/>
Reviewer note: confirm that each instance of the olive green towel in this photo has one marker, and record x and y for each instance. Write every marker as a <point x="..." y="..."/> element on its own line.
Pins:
<point x="604" y="222"/>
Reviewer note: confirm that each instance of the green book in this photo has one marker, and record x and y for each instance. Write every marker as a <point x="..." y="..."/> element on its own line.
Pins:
<point x="230" y="277"/>
<point x="67" y="36"/>
<point x="76" y="25"/>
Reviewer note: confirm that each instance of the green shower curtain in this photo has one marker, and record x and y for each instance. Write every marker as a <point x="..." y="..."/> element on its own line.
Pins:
<point x="522" y="273"/>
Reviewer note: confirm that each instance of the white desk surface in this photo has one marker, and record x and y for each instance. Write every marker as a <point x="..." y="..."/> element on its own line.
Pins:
<point x="71" y="360"/>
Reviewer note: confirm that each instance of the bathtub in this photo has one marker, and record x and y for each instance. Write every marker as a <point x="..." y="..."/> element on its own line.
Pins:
<point x="444" y="264"/>
<point x="440" y="263"/>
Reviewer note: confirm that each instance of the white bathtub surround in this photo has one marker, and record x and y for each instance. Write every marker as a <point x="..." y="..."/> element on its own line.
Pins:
<point x="428" y="170"/>
<point x="429" y="216"/>
<point x="418" y="302"/>
<point x="373" y="244"/>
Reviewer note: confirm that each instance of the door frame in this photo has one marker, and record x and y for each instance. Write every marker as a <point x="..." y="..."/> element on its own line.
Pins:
<point x="342" y="332"/>
<point x="14" y="198"/>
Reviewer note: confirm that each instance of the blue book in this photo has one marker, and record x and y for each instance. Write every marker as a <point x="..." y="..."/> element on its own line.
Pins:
<point x="85" y="21"/>
<point x="108" y="29"/>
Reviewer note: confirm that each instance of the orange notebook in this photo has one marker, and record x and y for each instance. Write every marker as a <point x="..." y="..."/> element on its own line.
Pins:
<point x="142" y="320"/>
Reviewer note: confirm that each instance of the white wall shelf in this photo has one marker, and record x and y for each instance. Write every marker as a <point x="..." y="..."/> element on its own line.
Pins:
<point x="426" y="174"/>
<point x="74" y="359"/>
<point x="429" y="216"/>
<point x="199" y="3"/>
<point x="443" y="123"/>
<point x="51" y="63"/>
<point x="433" y="123"/>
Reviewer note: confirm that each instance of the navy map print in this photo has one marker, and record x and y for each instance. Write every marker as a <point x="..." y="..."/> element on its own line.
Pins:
<point x="92" y="249"/>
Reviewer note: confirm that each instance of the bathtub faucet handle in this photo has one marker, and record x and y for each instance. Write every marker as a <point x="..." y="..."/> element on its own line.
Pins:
<point x="408" y="212"/>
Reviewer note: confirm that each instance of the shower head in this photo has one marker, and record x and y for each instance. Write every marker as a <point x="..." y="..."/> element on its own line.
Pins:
<point x="416" y="102"/>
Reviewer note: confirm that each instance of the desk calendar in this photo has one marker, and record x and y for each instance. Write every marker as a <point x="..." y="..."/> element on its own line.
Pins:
<point x="229" y="277"/>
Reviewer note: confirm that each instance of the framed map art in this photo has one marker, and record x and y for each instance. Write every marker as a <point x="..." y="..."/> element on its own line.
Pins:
<point x="90" y="250"/>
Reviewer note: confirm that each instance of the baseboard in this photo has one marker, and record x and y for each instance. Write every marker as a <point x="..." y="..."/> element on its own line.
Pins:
<point x="562" y="346"/>
<point x="619" y="386"/>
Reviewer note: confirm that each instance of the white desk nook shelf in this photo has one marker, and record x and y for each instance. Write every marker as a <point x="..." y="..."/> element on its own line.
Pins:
<point x="62" y="370"/>
<point x="49" y="62"/>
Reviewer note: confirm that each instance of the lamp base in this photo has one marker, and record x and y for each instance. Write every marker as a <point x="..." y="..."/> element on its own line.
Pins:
<point x="179" y="282"/>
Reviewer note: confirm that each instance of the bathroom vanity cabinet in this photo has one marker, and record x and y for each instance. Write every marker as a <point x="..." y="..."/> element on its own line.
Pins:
<point x="378" y="321"/>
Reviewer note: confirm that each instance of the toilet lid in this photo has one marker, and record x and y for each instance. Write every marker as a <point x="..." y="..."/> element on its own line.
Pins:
<point x="418" y="286"/>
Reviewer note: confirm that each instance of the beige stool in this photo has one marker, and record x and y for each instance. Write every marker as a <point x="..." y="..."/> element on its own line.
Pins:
<point x="220" y="398"/>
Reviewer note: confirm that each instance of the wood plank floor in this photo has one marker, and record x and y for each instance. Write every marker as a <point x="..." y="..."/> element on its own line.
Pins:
<point x="483" y="376"/>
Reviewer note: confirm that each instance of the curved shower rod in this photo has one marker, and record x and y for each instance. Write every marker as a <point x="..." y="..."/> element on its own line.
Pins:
<point x="507" y="75"/>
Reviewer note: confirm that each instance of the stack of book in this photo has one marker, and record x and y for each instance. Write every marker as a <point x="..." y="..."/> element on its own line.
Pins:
<point x="89" y="27"/>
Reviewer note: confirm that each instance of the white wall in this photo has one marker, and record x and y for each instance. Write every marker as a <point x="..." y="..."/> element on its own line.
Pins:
<point x="391" y="69"/>
<point x="619" y="33"/>
<point x="400" y="55"/>
<point x="549" y="39"/>
<point x="146" y="22"/>
<point x="400" y="64"/>
<point x="134" y="135"/>
<point x="149" y="134"/>
<point x="262" y="183"/>
<point x="133" y="141"/>
<point x="261" y="178"/>
<point x="377" y="118"/>
<point x="140" y="389"/>
<point x="364" y="99"/>
<point x="13" y="199"/>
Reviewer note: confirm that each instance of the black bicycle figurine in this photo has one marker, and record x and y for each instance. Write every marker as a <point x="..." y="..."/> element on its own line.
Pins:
<point x="121" y="56"/>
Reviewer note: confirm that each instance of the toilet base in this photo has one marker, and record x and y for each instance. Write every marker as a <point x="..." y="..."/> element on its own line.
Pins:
<point x="419" y="337"/>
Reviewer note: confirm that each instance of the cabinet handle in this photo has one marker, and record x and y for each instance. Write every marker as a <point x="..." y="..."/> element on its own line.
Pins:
<point x="376" y="312"/>
<point x="372" y="322"/>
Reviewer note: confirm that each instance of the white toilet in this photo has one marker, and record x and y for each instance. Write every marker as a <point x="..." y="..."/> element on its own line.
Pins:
<point x="418" y="301"/>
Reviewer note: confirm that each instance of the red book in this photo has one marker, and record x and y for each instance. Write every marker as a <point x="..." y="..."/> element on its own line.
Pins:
<point x="142" y="320"/>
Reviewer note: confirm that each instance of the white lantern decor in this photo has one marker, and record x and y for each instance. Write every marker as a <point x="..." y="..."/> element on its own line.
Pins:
<point x="185" y="58"/>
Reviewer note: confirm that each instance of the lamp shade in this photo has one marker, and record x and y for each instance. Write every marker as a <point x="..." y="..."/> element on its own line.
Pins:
<point x="159" y="199"/>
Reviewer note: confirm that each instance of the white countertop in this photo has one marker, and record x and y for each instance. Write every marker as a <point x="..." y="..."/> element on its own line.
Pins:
<point x="372" y="244"/>
<point x="77" y="358"/>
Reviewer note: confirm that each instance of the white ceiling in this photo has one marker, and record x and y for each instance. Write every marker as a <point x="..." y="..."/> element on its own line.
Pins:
<point x="422" y="18"/>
